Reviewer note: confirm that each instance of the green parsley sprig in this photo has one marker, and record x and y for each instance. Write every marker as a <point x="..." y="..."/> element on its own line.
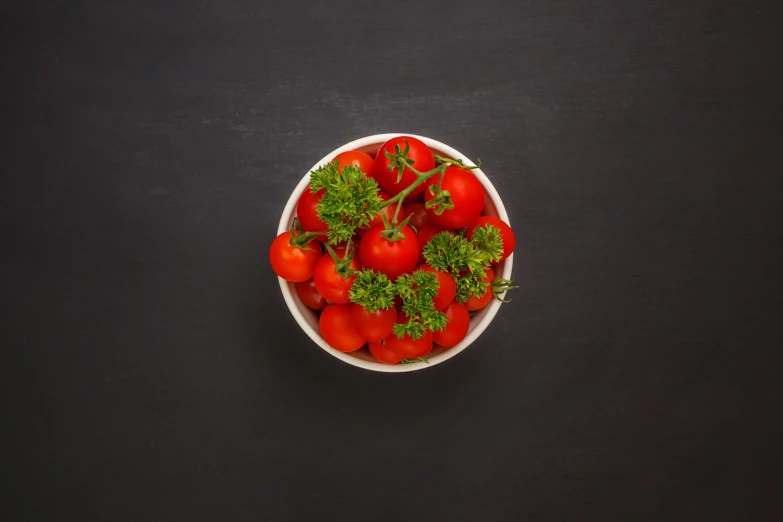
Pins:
<point x="417" y="290"/>
<point x="372" y="290"/>
<point x="350" y="199"/>
<point x="467" y="260"/>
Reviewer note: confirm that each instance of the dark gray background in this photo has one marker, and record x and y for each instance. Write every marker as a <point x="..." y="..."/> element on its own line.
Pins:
<point x="152" y="371"/>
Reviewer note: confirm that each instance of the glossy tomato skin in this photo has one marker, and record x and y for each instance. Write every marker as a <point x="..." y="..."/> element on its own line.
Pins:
<point x="479" y="302"/>
<point x="419" y="153"/>
<point x="388" y="210"/>
<point x="307" y="212"/>
<point x="509" y="240"/>
<point x="447" y="287"/>
<point x="292" y="263"/>
<point x="374" y="326"/>
<point x="383" y="354"/>
<point x="418" y="214"/>
<point x="467" y="194"/>
<point x="409" y="348"/>
<point x="337" y="328"/>
<point x="390" y="258"/>
<point x="357" y="158"/>
<point x="457" y="327"/>
<point x="329" y="283"/>
<point x="309" y="295"/>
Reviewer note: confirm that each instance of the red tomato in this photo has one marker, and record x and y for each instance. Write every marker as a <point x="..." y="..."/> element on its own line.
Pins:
<point x="477" y="303"/>
<point x="337" y="328"/>
<point x="390" y="258"/>
<point x="409" y="348"/>
<point x="418" y="214"/>
<point x="413" y="197"/>
<point x="388" y="210"/>
<point x="420" y="155"/>
<point x="309" y="295"/>
<point x="457" y="327"/>
<point x="447" y="288"/>
<point x="330" y="284"/>
<point x="380" y="351"/>
<point x="307" y="212"/>
<point x="358" y="159"/>
<point x="374" y="326"/>
<point x="292" y="263"/>
<point x="509" y="241"/>
<point x="467" y="194"/>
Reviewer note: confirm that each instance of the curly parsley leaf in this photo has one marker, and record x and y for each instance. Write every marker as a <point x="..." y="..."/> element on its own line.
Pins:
<point x="372" y="290"/>
<point x="466" y="259"/>
<point x="350" y="199"/>
<point x="417" y="290"/>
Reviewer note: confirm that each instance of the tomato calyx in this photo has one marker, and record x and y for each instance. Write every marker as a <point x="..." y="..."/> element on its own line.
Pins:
<point x="417" y="359"/>
<point x="501" y="285"/>
<point x="342" y="267"/>
<point x="393" y="231"/>
<point x="442" y="200"/>
<point x="457" y="163"/>
<point x="300" y="238"/>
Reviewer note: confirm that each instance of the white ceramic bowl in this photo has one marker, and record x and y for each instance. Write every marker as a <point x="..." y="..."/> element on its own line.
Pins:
<point x="308" y="319"/>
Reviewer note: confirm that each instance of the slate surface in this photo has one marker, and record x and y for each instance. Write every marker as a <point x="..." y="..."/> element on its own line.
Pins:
<point x="153" y="372"/>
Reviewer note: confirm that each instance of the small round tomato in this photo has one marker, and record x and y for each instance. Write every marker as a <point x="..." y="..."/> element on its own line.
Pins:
<point x="293" y="263"/>
<point x="374" y="326"/>
<point x="408" y="347"/>
<point x="392" y="258"/>
<point x="307" y="212"/>
<point x="356" y="158"/>
<point x="337" y="328"/>
<point x="509" y="241"/>
<point x="389" y="210"/>
<point x="457" y="327"/>
<point x="418" y="214"/>
<point x="419" y="155"/>
<point x="309" y="295"/>
<point x="479" y="302"/>
<point x="447" y="288"/>
<point x="330" y="284"/>
<point x="380" y="351"/>
<point x="466" y="193"/>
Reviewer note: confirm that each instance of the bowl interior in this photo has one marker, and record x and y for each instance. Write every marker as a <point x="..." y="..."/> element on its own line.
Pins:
<point x="308" y="319"/>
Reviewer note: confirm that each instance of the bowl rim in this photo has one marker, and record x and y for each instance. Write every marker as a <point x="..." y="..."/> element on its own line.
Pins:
<point x="285" y="286"/>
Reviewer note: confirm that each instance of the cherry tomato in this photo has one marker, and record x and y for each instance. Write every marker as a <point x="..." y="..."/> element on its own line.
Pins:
<point x="357" y="158"/>
<point x="390" y="258"/>
<point x="467" y="194"/>
<point x="292" y="263"/>
<point x="309" y="295"/>
<point x="419" y="154"/>
<point x="409" y="348"/>
<point x="388" y="210"/>
<point x="374" y="326"/>
<point x="509" y="241"/>
<point x="447" y="288"/>
<point x="307" y="212"/>
<point x="329" y="283"/>
<point x="337" y="328"/>
<point x="457" y="327"/>
<point x="418" y="214"/>
<point x="380" y="351"/>
<point x="479" y="302"/>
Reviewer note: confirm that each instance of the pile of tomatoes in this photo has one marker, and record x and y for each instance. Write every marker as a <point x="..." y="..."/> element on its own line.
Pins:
<point x="347" y="326"/>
